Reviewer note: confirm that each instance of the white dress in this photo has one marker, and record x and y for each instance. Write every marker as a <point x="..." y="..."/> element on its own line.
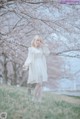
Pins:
<point x="36" y="62"/>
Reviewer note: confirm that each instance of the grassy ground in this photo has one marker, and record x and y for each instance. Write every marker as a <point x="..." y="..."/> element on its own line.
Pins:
<point x="18" y="105"/>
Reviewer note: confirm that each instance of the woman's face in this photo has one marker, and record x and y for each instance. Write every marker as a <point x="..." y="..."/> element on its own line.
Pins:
<point x="38" y="42"/>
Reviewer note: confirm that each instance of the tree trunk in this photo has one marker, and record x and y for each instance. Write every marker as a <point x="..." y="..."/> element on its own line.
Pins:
<point x="5" y="78"/>
<point x="14" y="82"/>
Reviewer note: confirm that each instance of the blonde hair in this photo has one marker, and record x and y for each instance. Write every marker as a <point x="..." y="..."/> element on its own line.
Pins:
<point x="37" y="37"/>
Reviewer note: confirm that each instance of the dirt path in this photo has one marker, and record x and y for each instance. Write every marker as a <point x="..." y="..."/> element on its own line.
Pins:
<point x="67" y="99"/>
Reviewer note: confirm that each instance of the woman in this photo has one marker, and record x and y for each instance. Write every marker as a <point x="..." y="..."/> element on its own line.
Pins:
<point x="36" y="62"/>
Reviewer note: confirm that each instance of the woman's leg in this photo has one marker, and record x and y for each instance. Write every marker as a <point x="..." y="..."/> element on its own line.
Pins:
<point x="29" y="89"/>
<point x="38" y="91"/>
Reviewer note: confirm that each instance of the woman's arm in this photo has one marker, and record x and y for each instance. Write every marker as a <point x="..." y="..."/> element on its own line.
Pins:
<point x="28" y="60"/>
<point x="45" y="49"/>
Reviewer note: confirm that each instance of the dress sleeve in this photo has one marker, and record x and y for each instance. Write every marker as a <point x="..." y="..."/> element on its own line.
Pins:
<point x="28" y="59"/>
<point x="46" y="50"/>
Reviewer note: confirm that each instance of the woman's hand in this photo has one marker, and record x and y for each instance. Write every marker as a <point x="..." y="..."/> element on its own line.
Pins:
<point x="25" y="67"/>
<point x="43" y="43"/>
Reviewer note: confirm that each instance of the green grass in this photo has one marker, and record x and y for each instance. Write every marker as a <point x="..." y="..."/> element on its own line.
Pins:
<point x="78" y="97"/>
<point x="18" y="105"/>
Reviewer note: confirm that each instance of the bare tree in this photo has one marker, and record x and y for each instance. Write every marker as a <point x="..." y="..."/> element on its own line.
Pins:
<point x="58" y="24"/>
